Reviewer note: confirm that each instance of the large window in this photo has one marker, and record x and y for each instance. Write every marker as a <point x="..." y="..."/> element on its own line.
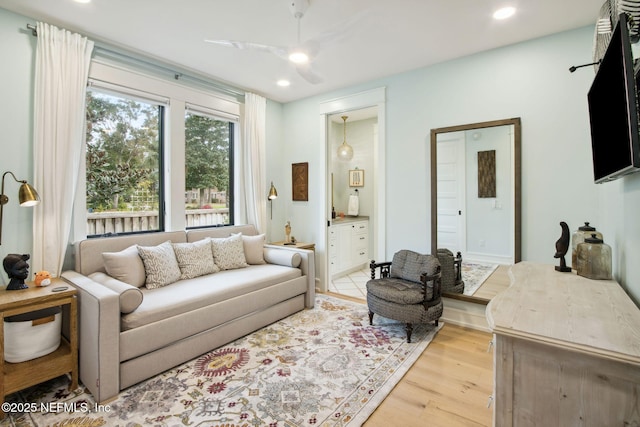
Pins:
<point x="159" y="153"/>
<point x="208" y="170"/>
<point x="124" y="180"/>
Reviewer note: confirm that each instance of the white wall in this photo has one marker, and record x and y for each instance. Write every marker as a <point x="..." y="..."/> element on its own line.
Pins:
<point x="360" y="135"/>
<point x="16" y="138"/>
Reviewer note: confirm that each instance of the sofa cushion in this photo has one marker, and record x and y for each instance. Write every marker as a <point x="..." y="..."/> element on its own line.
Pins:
<point x="195" y="259"/>
<point x="397" y="290"/>
<point x="228" y="253"/>
<point x="125" y="266"/>
<point x="192" y="294"/>
<point x="253" y="249"/>
<point x="410" y="265"/>
<point x="160" y="265"/>
<point x="130" y="296"/>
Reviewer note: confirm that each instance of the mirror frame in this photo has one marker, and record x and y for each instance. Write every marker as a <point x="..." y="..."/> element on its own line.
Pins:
<point x="517" y="197"/>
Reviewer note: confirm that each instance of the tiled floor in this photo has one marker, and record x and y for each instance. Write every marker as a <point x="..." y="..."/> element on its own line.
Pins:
<point x="352" y="285"/>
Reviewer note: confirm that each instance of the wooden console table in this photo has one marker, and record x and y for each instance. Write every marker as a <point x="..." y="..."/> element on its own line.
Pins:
<point x="18" y="376"/>
<point x="567" y="351"/>
<point x="297" y="245"/>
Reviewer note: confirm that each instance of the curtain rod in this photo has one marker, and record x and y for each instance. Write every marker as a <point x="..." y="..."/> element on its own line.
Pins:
<point x="108" y="52"/>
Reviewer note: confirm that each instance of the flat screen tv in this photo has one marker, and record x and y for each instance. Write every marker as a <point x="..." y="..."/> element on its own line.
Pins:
<point x="613" y="110"/>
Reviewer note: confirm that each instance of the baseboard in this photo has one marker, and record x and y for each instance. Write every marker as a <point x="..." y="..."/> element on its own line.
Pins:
<point x="466" y="314"/>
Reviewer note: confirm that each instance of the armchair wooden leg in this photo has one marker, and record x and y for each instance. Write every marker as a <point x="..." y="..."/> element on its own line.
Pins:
<point x="409" y="331"/>
<point x="370" y="317"/>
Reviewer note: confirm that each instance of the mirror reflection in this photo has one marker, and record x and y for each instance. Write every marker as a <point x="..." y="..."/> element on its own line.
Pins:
<point x="475" y="200"/>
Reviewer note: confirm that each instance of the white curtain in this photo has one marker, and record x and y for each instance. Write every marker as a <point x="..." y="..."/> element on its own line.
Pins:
<point x="253" y="188"/>
<point x="62" y="68"/>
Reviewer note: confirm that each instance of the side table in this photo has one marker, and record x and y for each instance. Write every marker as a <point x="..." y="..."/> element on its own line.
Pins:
<point x="18" y="376"/>
<point x="297" y="245"/>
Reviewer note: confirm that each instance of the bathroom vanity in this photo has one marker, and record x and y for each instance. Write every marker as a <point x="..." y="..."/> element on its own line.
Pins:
<point x="348" y="245"/>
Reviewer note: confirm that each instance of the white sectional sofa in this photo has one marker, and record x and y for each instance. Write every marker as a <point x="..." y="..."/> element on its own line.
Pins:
<point x="130" y="331"/>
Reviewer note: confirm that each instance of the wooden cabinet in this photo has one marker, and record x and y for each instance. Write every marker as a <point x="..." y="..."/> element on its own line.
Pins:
<point x="18" y="376"/>
<point x="348" y="247"/>
<point x="567" y="351"/>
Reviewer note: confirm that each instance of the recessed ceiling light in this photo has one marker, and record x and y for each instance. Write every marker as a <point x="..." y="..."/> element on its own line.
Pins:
<point x="504" y="13"/>
<point x="298" y="57"/>
<point x="82" y="1"/>
<point x="283" y="83"/>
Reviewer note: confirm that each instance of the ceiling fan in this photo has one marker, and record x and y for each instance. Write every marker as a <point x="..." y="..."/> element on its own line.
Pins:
<point x="607" y="20"/>
<point x="301" y="54"/>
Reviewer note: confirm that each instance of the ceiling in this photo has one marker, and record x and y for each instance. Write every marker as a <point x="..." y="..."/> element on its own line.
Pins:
<point x="387" y="37"/>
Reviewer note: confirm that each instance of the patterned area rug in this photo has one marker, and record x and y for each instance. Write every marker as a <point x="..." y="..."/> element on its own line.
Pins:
<point x="320" y="367"/>
<point x="474" y="274"/>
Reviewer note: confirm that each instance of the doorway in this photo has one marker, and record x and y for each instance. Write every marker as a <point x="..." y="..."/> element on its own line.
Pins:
<point x="373" y="104"/>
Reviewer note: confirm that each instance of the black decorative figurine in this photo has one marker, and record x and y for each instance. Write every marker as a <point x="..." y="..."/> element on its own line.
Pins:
<point x="17" y="269"/>
<point x="562" y="246"/>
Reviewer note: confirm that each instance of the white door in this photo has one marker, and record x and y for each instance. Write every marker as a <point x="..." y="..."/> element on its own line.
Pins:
<point x="451" y="191"/>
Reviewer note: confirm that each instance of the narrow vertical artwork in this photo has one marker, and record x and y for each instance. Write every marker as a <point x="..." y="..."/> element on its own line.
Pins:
<point x="487" y="174"/>
<point x="300" y="181"/>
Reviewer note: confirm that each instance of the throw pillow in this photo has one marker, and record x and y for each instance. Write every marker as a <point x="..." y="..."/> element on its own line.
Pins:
<point x="195" y="259"/>
<point x="160" y="265"/>
<point x="409" y="265"/>
<point x="228" y="253"/>
<point x="125" y="266"/>
<point x="254" y="248"/>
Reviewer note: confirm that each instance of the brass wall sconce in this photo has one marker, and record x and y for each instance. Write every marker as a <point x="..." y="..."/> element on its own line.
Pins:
<point x="27" y="195"/>
<point x="273" y="194"/>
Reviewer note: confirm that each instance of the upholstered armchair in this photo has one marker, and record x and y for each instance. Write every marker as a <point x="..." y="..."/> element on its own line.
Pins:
<point x="451" y="271"/>
<point x="408" y="289"/>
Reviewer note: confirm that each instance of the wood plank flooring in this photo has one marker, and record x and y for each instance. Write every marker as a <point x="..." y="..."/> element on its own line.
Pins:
<point x="496" y="283"/>
<point x="450" y="384"/>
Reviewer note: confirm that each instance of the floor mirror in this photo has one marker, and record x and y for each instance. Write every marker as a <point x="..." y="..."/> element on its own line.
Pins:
<point x="476" y="197"/>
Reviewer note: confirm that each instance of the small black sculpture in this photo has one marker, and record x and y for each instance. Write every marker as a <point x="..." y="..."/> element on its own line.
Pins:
<point x="562" y="246"/>
<point x="17" y="269"/>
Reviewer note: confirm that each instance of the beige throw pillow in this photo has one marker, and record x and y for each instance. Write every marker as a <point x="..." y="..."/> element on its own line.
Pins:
<point x="125" y="266"/>
<point x="195" y="259"/>
<point x="160" y="265"/>
<point x="228" y="253"/>
<point x="254" y="248"/>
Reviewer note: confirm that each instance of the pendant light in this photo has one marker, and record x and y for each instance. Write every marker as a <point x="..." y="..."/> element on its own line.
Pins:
<point x="345" y="152"/>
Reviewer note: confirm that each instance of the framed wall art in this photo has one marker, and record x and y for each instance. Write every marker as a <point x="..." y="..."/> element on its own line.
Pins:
<point x="487" y="174"/>
<point x="300" y="181"/>
<point x="356" y="178"/>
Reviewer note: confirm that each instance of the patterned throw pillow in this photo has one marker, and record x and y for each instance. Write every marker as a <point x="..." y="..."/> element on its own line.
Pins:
<point x="228" y="253"/>
<point x="195" y="259"/>
<point x="160" y="265"/>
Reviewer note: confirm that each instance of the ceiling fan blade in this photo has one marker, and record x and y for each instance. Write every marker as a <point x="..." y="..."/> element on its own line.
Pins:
<point x="308" y="74"/>
<point x="336" y="33"/>
<point x="280" y="51"/>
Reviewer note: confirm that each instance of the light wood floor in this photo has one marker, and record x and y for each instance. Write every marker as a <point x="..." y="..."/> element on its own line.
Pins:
<point x="496" y="283"/>
<point x="450" y="384"/>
